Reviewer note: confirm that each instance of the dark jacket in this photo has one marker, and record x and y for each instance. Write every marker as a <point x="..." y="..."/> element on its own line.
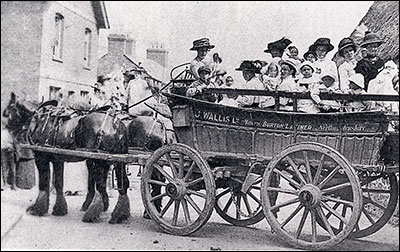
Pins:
<point x="369" y="69"/>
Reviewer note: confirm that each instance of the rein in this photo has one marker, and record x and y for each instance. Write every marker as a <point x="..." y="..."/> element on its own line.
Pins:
<point x="148" y="97"/>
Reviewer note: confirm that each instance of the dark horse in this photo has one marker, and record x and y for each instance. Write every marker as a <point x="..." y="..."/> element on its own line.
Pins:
<point x="63" y="128"/>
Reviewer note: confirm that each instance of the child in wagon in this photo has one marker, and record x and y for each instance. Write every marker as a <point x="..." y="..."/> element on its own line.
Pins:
<point x="328" y="85"/>
<point x="270" y="81"/>
<point x="356" y="86"/>
<point x="195" y="90"/>
<point x="307" y="83"/>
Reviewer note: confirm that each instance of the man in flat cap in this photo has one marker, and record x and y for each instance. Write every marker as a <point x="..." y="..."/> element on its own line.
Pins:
<point x="195" y="89"/>
<point x="202" y="46"/>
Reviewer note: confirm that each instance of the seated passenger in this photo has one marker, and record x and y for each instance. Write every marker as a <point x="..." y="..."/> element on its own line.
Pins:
<point x="202" y="46"/>
<point x="249" y="69"/>
<point x="307" y="82"/>
<point x="287" y="83"/>
<point x="356" y="86"/>
<point x="195" y="90"/>
<point x="328" y="85"/>
<point x="270" y="81"/>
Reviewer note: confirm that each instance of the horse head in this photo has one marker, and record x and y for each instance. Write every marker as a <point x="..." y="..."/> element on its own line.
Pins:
<point x="19" y="112"/>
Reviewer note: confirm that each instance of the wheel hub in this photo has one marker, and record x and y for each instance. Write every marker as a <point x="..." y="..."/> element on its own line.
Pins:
<point x="310" y="195"/>
<point x="176" y="189"/>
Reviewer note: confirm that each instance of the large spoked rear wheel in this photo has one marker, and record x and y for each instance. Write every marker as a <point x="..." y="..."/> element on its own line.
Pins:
<point x="315" y="182"/>
<point x="380" y="195"/>
<point x="178" y="189"/>
<point x="238" y="208"/>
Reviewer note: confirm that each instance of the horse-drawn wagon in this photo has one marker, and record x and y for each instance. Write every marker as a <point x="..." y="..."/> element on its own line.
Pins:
<point x="316" y="178"/>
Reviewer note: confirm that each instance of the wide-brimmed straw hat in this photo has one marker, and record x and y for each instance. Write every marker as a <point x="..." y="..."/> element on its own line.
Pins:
<point x="200" y="43"/>
<point x="279" y="45"/>
<point x="344" y="43"/>
<point x="322" y="42"/>
<point x="371" y="38"/>
<point x="357" y="79"/>
<point x="290" y="63"/>
<point x="249" y="65"/>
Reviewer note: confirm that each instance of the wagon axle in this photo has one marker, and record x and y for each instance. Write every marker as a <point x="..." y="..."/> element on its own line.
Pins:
<point x="310" y="196"/>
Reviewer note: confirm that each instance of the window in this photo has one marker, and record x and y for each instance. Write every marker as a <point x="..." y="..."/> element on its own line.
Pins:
<point x="55" y="93"/>
<point x="59" y="35"/>
<point x="87" y="47"/>
<point x="71" y="93"/>
<point x="84" y="94"/>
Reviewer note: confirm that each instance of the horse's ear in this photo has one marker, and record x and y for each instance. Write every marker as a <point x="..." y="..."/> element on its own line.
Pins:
<point x="13" y="98"/>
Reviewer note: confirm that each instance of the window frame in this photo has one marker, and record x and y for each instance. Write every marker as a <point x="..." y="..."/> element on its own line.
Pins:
<point x="58" y="43"/>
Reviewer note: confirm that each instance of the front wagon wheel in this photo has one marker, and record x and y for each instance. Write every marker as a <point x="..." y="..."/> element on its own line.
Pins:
<point x="308" y="191"/>
<point x="178" y="189"/>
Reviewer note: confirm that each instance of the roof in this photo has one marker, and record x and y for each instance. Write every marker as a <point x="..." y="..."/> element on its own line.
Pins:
<point x="100" y="14"/>
<point x="383" y="19"/>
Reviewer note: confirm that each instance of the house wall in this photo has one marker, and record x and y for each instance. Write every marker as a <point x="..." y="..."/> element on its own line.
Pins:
<point x="21" y="26"/>
<point x="71" y="73"/>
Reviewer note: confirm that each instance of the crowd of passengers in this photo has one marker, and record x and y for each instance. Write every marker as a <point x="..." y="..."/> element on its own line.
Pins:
<point x="361" y="72"/>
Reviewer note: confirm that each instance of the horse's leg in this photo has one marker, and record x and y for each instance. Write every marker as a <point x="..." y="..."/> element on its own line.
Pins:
<point x="41" y="206"/>
<point x="122" y="210"/>
<point x="155" y="190"/>
<point x="95" y="204"/>
<point x="60" y="207"/>
<point x="91" y="185"/>
<point x="101" y="182"/>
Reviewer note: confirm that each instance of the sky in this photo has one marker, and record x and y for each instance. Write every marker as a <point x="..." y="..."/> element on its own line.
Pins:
<point x="239" y="30"/>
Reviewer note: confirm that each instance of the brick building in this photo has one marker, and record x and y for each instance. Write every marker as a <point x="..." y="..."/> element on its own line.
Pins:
<point x="49" y="47"/>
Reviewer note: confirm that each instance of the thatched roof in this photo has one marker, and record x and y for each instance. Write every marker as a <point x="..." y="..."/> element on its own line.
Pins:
<point x="383" y="19"/>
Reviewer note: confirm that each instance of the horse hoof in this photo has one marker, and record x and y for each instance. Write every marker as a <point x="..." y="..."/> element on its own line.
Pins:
<point x="35" y="211"/>
<point x="59" y="212"/>
<point x="119" y="219"/>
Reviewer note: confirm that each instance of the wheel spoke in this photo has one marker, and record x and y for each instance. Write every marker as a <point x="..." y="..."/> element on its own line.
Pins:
<point x="196" y="193"/>
<point x="290" y="180"/>
<point x="158" y="197"/>
<point x="156" y="182"/>
<point x="172" y="165"/>
<point x="289" y="202"/>
<point x="282" y="190"/>
<point x="329" y="177"/>
<point x="319" y="170"/>
<point x="181" y="165"/>
<point x="166" y="207"/>
<point x="301" y="224"/>
<point x="334" y="208"/>
<point x="254" y="197"/>
<point x="228" y="204"/>
<point x="186" y="211"/>
<point x="326" y="223"/>
<point x="296" y="170"/>
<point x="345" y="202"/>
<point x="161" y="170"/>
<point x="191" y="183"/>
<point x="222" y="194"/>
<point x="193" y="204"/>
<point x="176" y="212"/>
<point x="335" y="188"/>
<point x="246" y="202"/>
<point x="308" y="169"/>
<point x="344" y="210"/>
<point x="299" y="207"/>
<point x="377" y="205"/>
<point x="238" y="200"/>
<point x="334" y="212"/>
<point x="189" y="172"/>
<point x="368" y="190"/>
<point x="255" y="187"/>
<point x="369" y="217"/>
<point x="313" y="226"/>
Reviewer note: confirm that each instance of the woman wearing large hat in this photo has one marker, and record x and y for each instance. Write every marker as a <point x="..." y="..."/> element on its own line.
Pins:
<point x="347" y="49"/>
<point x="202" y="46"/>
<point x="370" y="65"/>
<point x="321" y="47"/>
<point x="277" y="48"/>
<point x="249" y="70"/>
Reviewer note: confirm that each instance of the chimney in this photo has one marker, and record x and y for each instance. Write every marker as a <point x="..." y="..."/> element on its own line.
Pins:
<point x="130" y="47"/>
<point x="119" y="44"/>
<point x="158" y="54"/>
